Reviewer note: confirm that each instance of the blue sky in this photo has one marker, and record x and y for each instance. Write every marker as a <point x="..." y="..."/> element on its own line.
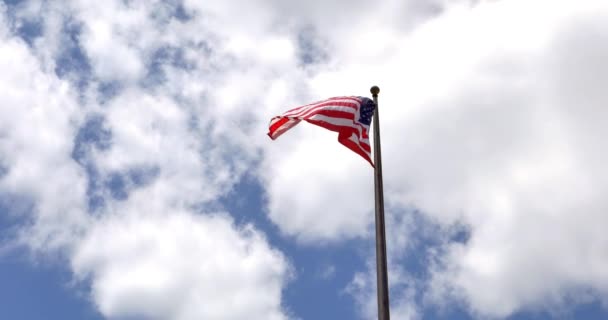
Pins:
<point x="137" y="180"/>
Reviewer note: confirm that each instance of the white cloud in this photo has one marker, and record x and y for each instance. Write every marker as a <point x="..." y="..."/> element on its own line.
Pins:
<point x="502" y="150"/>
<point x="38" y="120"/>
<point x="114" y="36"/>
<point x="151" y="253"/>
<point x="181" y="266"/>
<point x="318" y="189"/>
<point x="506" y="150"/>
<point x="492" y="116"/>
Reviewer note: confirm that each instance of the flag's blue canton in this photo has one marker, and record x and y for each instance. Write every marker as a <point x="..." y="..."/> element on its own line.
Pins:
<point x="367" y="111"/>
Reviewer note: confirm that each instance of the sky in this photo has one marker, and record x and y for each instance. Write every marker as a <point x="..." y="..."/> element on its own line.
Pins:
<point x="137" y="180"/>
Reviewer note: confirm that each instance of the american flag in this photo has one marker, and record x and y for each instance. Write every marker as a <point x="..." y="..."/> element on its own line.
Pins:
<point x="349" y="116"/>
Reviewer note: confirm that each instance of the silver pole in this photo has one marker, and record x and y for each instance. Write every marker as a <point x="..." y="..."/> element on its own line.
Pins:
<point x="381" y="269"/>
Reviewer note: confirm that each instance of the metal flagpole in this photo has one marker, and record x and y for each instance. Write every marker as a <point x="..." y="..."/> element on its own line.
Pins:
<point x="381" y="269"/>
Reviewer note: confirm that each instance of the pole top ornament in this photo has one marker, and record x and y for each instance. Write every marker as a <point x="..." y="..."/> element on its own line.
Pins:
<point x="374" y="90"/>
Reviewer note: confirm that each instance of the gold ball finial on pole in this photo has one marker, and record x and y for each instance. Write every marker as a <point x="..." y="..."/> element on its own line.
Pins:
<point x="374" y="90"/>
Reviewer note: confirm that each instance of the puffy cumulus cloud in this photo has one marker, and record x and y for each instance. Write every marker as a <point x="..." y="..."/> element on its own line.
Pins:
<point x="160" y="135"/>
<point x="118" y="37"/>
<point x="488" y="123"/>
<point x="38" y="120"/>
<point x="181" y="266"/>
<point x="502" y="150"/>
<point x="318" y="190"/>
<point x="499" y="127"/>
<point x="133" y="156"/>
<point x="155" y="244"/>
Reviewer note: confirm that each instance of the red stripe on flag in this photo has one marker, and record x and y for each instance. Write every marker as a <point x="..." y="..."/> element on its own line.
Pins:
<point x="276" y="126"/>
<point x="334" y="114"/>
<point x="330" y="104"/>
<point x="344" y="134"/>
<point x="354" y="99"/>
<point x="333" y="127"/>
<point x="355" y="147"/>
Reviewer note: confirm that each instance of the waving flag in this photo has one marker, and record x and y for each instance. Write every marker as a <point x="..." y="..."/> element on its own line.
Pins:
<point x="349" y="116"/>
